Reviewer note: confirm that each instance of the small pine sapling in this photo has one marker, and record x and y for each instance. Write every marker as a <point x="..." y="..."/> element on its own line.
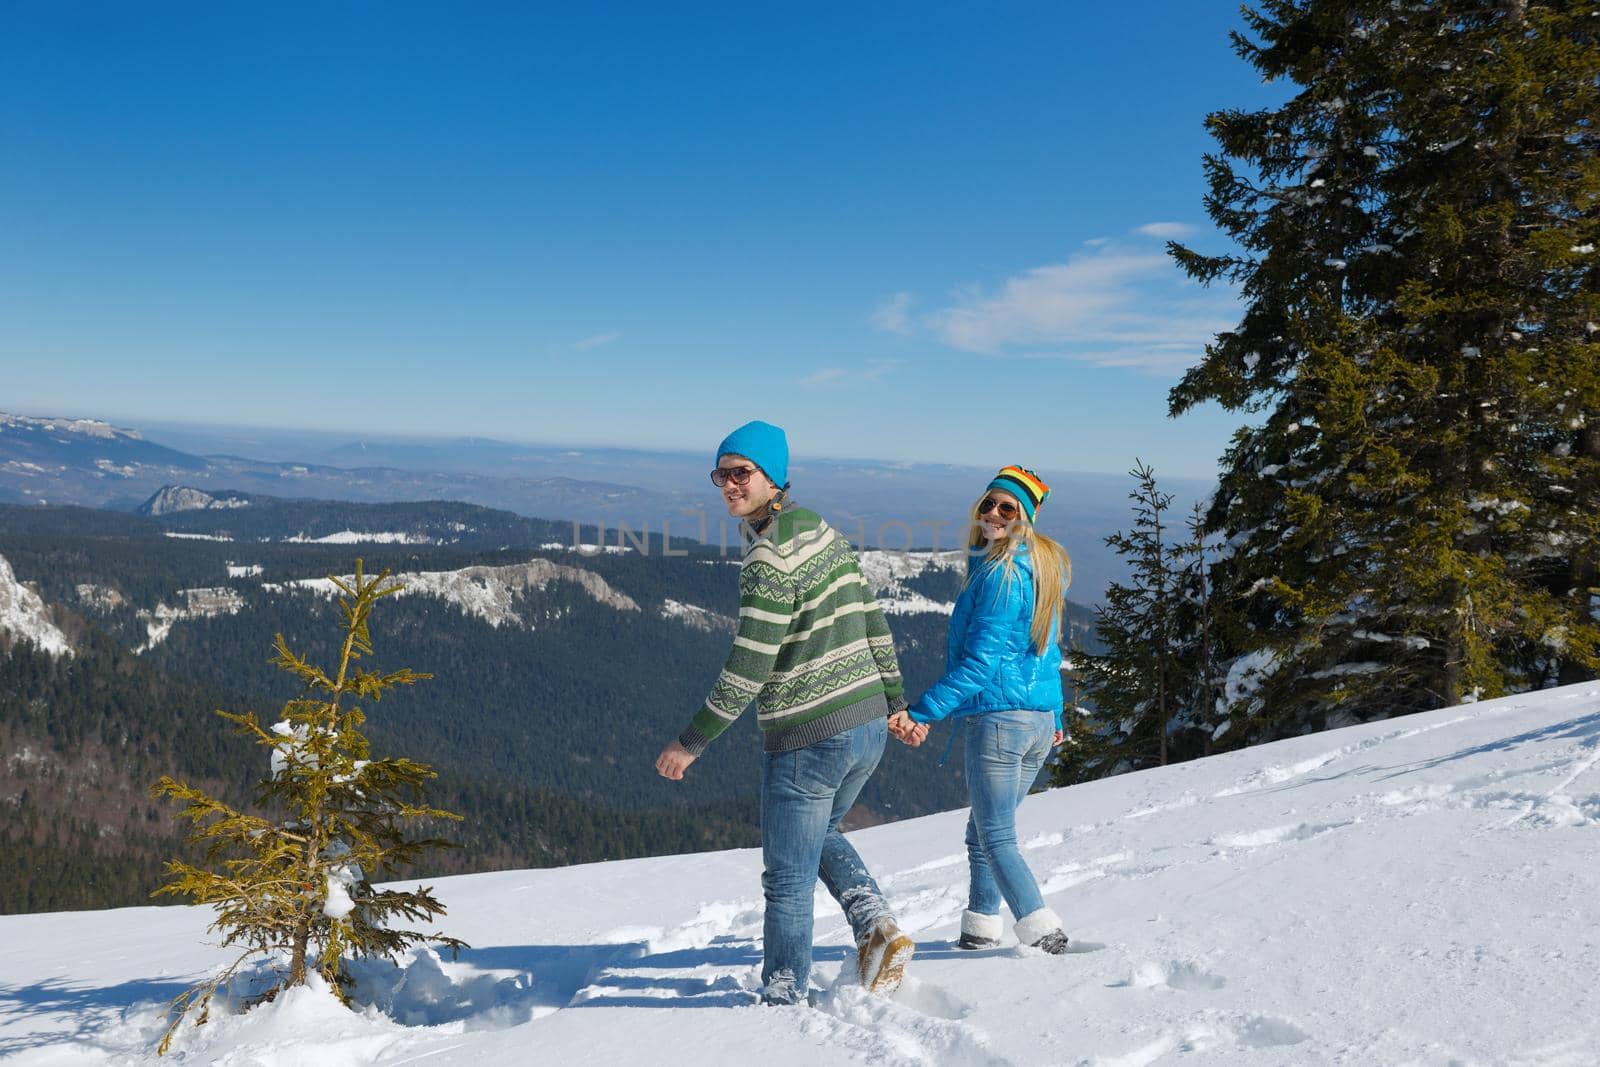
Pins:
<point x="299" y="884"/>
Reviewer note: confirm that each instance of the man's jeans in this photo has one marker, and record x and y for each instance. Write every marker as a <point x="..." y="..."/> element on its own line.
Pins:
<point x="1005" y="750"/>
<point x="804" y="794"/>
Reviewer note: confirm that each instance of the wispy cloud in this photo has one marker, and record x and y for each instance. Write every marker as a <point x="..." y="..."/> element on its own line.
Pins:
<point x="599" y="339"/>
<point x="875" y="370"/>
<point x="1167" y="231"/>
<point x="1116" y="304"/>
<point x="1051" y="303"/>
<point x="825" y="376"/>
<point x="893" y="314"/>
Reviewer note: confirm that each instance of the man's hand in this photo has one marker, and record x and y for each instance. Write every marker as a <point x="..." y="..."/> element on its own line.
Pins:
<point x="1058" y="737"/>
<point x="673" y="761"/>
<point x="906" y="731"/>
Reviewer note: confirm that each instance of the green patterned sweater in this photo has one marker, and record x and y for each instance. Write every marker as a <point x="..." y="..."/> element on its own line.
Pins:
<point x="812" y="648"/>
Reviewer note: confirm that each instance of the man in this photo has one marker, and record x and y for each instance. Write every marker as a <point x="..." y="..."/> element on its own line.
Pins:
<point x="814" y="651"/>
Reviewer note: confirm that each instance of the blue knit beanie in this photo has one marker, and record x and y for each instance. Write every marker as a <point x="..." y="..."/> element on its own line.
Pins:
<point x="762" y="444"/>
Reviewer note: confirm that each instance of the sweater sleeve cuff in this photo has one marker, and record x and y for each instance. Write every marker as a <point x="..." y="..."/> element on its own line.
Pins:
<point x="897" y="704"/>
<point x="693" y="740"/>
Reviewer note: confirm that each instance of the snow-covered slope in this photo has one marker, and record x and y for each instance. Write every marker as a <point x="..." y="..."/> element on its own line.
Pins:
<point x="24" y="617"/>
<point x="196" y="604"/>
<point x="1421" y="891"/>
<point x="887" y="571"/>
<point x="486" y="592"/>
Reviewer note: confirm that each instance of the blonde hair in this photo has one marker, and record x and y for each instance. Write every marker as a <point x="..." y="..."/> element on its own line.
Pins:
<point x="1052" y="568"/>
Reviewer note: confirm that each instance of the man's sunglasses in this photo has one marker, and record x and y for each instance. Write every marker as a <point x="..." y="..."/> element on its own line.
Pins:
<point x="1006" y="508"/>
<point x="737" y="475"/>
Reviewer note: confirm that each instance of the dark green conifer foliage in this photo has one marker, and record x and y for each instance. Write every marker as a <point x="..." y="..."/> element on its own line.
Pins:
<point x="1132" y="687"/>
<point x="298" y="883"/>
<point x="1415" y="521"/>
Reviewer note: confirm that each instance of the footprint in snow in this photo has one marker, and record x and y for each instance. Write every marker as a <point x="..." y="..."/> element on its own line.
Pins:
<point x="1175" y="974"/>
<point x="930" y="999"/>
<point x="1304" y="831"/>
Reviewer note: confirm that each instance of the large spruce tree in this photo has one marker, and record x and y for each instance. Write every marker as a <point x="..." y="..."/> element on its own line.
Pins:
<point x="1414" y="521"/>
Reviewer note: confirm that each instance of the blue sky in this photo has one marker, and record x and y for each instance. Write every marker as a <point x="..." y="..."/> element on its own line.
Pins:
<point x="903" y="231"/>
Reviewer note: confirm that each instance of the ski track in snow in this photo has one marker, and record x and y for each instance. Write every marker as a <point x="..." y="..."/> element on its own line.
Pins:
<point x="1152" y="864"/>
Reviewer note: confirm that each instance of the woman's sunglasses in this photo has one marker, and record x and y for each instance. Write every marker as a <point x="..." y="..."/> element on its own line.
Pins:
<point x="1006" y="508"/>
<point x="737" y="475"/>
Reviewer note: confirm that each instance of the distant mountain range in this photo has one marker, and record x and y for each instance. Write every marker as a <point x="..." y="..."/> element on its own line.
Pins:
<point x="560" y="666"/>
<point x="877" y="504"/>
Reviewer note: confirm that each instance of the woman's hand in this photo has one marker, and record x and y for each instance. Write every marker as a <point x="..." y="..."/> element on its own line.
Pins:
<point x="906" y="731"/>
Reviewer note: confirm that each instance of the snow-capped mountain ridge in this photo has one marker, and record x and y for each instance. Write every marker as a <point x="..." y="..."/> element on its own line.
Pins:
<point x="172" y="499"/>
<point x="83" y="427"/>
<point x="486" y="592"/>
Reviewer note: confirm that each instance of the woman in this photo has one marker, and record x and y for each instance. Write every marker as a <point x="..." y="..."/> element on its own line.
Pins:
<point x="1003" y="680"/>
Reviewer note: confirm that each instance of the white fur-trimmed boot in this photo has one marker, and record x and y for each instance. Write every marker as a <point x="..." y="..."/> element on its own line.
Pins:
<point x="979" y="930"/>
<point x="1042" y="930"/>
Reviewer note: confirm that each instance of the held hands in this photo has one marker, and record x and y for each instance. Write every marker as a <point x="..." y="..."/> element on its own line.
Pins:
<point x="674" y="760"/>
<point x="906" y="731"/>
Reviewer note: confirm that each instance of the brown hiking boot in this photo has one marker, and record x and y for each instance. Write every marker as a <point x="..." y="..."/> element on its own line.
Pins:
<point x="881" y="959"/>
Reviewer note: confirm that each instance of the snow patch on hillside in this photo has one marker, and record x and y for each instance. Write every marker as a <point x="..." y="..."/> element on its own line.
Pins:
<point x="196" y="604"/>
<point x="100" y="598"/>
<point x="698" y="618"/>
<point x="196" y="536"/>
<point x="24" y="617"/>
<point x="356" y="537"/>
<point x="887" y="571"/>
<point x="486" y="592"/>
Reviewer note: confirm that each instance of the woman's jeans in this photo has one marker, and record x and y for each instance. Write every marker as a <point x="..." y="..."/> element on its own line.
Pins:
<point x="804" y="794"/>
<point x="1005" y="750"/>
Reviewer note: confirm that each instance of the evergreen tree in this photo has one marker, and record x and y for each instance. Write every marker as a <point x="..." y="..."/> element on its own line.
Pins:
<point x="1415" y="520"/>
<point x="1196" y="723"/>
<point x="300" y="884"/>
<point x="1129" y="686"/>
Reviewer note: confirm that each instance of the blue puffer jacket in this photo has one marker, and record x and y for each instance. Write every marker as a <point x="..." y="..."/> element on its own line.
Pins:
<point x="990" y="663"/>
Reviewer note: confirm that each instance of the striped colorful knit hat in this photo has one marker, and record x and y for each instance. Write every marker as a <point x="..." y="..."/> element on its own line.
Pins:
<point x="1023" y="484"/>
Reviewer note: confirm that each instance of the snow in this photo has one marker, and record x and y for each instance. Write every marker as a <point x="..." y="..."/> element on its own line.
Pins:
<point x="486" y="592"/>
<point x="175" y="498"/>
<point x="698" y="618"/>
<point x="243" y="570"/>
<point x="1417" y="891"/>
<point x="1245" y="676"/>
<point x="355" y="537"/>
<point x="585" y="548"/>
<point x="1411" y="641"/>
<point x="86" y="427"/>
<point x="886" y="571"/>
<point x="99" y="597"/>
<point x="24" y="617"/>
<point x="197" y="604"/>
<point x="196" y="536"/>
